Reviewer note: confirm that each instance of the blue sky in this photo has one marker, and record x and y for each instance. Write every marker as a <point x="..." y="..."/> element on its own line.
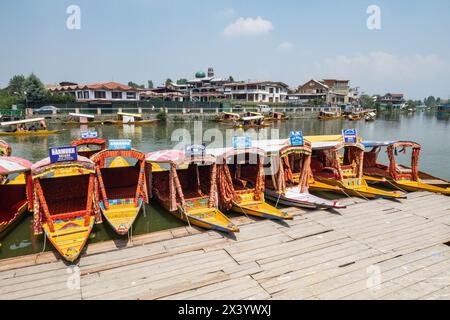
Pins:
<point x="290" y="41"/>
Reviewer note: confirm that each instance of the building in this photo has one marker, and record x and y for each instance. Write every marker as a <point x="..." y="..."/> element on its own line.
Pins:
<point x="205" y="88"/>
<point x="391" y="100"/>
<point x="108" y="91"/>
<point x="257" y="91"/>
<point x="334" y="92"/>
<point x="166" y="93"/>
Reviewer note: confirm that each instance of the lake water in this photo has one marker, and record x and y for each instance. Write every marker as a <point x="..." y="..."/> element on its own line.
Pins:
<point x="429" y="129"/>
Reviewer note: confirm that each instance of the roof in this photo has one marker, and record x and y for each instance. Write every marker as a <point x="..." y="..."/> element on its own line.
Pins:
<point x="252" y="118"/>
<point x="89" y="141"/>
<point x="95" y="86"/>
<point x="177" y="157"/>
<point x="279" y="83"/>
<point x="43" y="165"/>
<point x="80" y="115"/>
<point x="10" y="165"/>
<point x="323" y="145"/>
<point x="21" y="121"/>
<point x="231" y="114"/>
<point x="136" y="115"/>
<point x="371" y="144"/>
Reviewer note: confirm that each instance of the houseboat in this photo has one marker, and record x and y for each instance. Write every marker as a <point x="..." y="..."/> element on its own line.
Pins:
<point x="27" y="127"/>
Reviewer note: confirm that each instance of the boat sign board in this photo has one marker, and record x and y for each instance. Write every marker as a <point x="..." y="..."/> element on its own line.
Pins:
<point x="89" y="134"/>
<point x="195" y="150"/>
<point x="63" y="154"/>
<point x="350" y="135"/>
<point x="242" y="142"/>
<point x="120" y="144"/>
<point x="296" y="138"/>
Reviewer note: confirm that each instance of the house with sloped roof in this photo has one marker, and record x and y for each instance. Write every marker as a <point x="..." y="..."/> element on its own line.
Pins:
<point x="106" y="91"/>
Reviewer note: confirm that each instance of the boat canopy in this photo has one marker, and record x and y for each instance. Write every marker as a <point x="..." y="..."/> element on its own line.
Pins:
<point x="12" y="123"/>
<point x="395" y="170"/>
<point x="135" y="115"/>
<point x="80" y="115"/>
<point x="231" y="114"/>
<point x="178" y="157"/>
<point x="373" y="144"/>
<point x="12" y="165"/>
<point x="255" y="113"/>
<point x="5" y="149"/>
<point x="89" y="141"/>
<point x="45" y="167"/>
<point x="336" y="137"/>
<point x="252" y="118"/>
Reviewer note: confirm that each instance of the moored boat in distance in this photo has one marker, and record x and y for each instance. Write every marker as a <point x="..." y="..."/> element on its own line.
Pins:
<point x="329" y="115"/>
<point x="227" y="117"/>
<point x="64" y="203"/>
<point x="124" y="118"/>
<point x="122" y="189"/>
<point x="21" y="129"/>
<point x="408" y="178"/>
<point x="16" y="192"/>
<point x="87" y="147"/>
<point x="370" y="116"/>
<point x="188" y="188"/>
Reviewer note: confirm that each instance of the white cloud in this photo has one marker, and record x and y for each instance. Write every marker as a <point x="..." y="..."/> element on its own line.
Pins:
<point x="248" y="27"/>
<point x="285" y="46"/>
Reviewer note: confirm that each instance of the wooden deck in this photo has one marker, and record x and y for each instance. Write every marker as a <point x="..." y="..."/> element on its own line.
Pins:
<point x="376" y="249"/>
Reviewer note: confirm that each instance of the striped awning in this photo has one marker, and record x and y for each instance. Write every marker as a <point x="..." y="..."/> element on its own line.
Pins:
<point x="10" y="165"/>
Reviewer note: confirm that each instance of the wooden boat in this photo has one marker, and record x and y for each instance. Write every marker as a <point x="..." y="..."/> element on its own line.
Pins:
<point x="251" y="122"/>
<point x="329" y="115"/>
<point x="288" y="180"/>
<point x="188" y="189"/>
<point x="241" y="183"/>
<point x="227" y="117"/>
<point x="89" y="146"/>
<point x="5" y="149"/>
<point x="403" y="177"/>
<point x="130" y="119"/>
<point x="122" y="190"/>
<point x="80" y="119"/>
<point x="16" y="191"/>
<point x="343" y="172"/>
<point x="65" y="204"/>
<point x="354" y="116"/>
<point x="21" y="130"/>
<point x="370" y="116"/>
<point x="277" y="116"/>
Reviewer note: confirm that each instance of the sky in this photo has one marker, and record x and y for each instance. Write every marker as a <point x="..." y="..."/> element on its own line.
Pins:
<point x="396" y="46"/>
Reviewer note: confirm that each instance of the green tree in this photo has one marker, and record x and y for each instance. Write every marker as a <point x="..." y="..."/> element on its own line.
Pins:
<point x="231" y="79"/>
<point x="150" y="84"/>
<point x="410" y="104"/>
<point x="135" y="85"/>
<point x="34" y="88"/>
<point x="168" y="82"/>
<point x="367" y="101"/>
<point x="182" y="81"/>
<point x="7" y="100"/>
<point x="430" y="101"/>
<point x="16" y="86"/>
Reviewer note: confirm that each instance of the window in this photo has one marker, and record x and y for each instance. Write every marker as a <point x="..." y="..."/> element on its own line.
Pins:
<point x="86" y="94"/>
<point x="278" y="90"/>
<point x="116" y="95"/>
<point x="270" y="90"/>
<point x="100" y="95"/>
<point x="79" y="94"/>
<point x="131" y="95"/>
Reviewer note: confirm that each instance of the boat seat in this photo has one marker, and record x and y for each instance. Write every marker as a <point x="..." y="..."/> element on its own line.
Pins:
<point x="120" y="183"/>
<point x="316" y="165"/>
<point x="402" y="170"/>
<point x="12" y="197"/>
<point x="328" y="172"/>
<point x="375" y="171"/>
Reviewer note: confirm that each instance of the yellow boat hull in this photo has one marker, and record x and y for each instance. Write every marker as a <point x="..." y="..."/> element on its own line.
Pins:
<point x="208" y="218"/>
<point x="30" y="133"/>
<point x="420" y="186"/>
<point x="121" y="214"/>
<point x="119" y="162"/>
<point x="258" y="208"/>
<point x="69" y="237"/>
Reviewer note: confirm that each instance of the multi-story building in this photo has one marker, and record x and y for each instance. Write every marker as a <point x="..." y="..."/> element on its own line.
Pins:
<point x="391" y="100"/>
<point x="331" y="91"/>
<point x="108" y="91"/>
<point x="257" y="91"/>
<point x="205" y="88"/>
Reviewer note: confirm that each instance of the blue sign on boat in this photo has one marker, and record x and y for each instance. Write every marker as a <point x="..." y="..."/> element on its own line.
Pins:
<point x="120" y="144"/>
<point x="350" y="135"/>
<point x="241" y="142"/>
<point x="297" y="138"/>
<point x="89" y="134"/>
<point x="63" y="154"/>
<point x="195" y="150"/>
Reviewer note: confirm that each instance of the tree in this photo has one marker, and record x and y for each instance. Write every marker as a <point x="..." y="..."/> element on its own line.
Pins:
<point x="168" y="82"/>
<point x="182" y="81"/>
<point x="16" y="86"/>
<point x="410" y="104"/>
<point x="7" y="100"/>
<point x="366" y="101"/>
<point x="135" y="85"/>
<point x="231" y="79"/>
<point x="34" y="88"/>
<point x="150" y="84"/>
<point x="430" y="101"/>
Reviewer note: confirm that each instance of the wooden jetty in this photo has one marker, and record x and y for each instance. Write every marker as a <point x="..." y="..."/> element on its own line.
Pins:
<point x="378" y="249"/>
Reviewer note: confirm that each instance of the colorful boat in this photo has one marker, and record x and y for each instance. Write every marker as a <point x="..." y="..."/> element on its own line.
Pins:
<point x="5" y="149"/>
<point x="20" y="128"/>
<point x="87" y="147"/>
<point x="226" y="117"/>
<point x="338" y="166"/>
<point x="288" y="180"/>
<point x="370" y="116"/>
<point x="64" y="203"/>
<point x="16" y="191"/>
<point x="241" y="182"/>
<point x="130" y="119"/>
<point x="80" y="119"/>
<point x="188" y="189"/>
<point x="403" y="177"/>
<point x="355" y="116"/>
<point x="251" y="122"/>
<point x="277" y="116"/>
<point x="122" y="190"/>
<point x="329" y="115"/>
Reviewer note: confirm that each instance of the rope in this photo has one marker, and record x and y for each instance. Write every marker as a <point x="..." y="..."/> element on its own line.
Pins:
<point x="279" y="196"/>
<point x="395" y="186"/>
<point x="186" y="215"/>
<point x="241" y="209"/>
<point x="43" y="249"/>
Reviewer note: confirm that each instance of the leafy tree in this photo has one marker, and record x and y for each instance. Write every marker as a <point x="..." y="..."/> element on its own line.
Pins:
<point x="168" y="82"/>
<point x="182" y="81"/>
<point x="367" y="101"/>
<point x="7" y="100"/>
<point x="16" y="86"/>
<point x="150" y="84"/>
<point x="430" y="101"/>
<point x="59" y="98"/>
<point x="135" y="85"/>
<point x="34" y="88"/>
<point x="410" y="104"/>
<point x="231" y="79"/>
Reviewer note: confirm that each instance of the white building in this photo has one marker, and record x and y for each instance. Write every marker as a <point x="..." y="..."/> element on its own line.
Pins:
<point x="109" y="91"/>
<point x="257" y="91"/>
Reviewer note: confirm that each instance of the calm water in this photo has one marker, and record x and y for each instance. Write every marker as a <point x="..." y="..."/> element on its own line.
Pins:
<point x="428" y="129"/>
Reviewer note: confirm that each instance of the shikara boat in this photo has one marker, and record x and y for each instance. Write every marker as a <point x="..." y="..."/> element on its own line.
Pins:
<point x="5" y="149"/>
<point x="251" y="122"/>
<point x="89" y="146"/>
<point x="355" y="116"/>
<point x="333" y="171"/>
<point x="16" y="191"/>
<point x="64" y="203"/>
<point x="122" y="190"/>
<point x="403" y="177"/>
<point x="188" y="189"/>
<point x="370" y="116"/>
<point x="130" y="119"/>
<point x="79" y="118"/>
<point x="289" y="175"/>
<point x="329" y="115"/>
<point x="276" y="116"/>
<point x="227" y="117"/>
<point x="241" y="182"/>
<point x="18" y="128"/>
